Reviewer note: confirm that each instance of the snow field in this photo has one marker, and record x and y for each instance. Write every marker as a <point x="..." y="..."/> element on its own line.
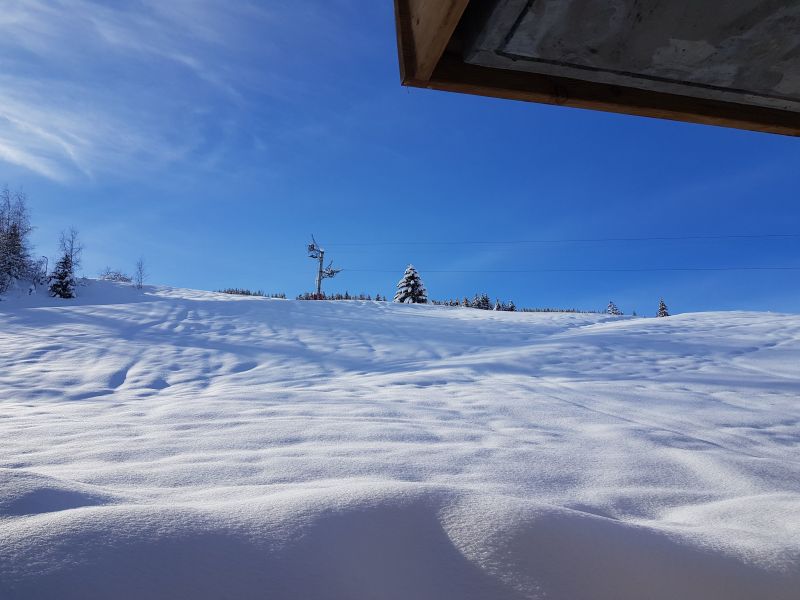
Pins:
<point x="176" y="443"/>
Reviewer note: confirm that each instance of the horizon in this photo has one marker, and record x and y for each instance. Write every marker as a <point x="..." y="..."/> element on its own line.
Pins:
<point x="218" y="148"/>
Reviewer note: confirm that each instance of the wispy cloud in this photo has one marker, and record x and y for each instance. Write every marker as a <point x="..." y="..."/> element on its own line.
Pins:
<point x="91" y="87"/>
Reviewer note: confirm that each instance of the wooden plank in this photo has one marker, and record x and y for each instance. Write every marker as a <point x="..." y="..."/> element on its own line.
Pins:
<point x="453" y="75"/>
<point x="424" y="30"/>
<point x="405" y="45"/>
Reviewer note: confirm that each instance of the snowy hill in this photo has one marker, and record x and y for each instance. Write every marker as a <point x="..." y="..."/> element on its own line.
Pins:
<point x="184" y="444"/>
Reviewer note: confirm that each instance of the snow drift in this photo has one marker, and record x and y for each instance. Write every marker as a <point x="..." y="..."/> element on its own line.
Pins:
<point x="174" y="443"/>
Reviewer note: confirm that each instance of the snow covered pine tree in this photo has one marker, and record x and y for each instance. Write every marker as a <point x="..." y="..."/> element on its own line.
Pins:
<point x="613" y="310"/>
<point x="15" y="227"/>
<point x="662" y="309"/>
<point x="62" y="281"/>
<point x="410" y="289"/>
<point x="14" y="259"/>
<point x="482" y="302"/>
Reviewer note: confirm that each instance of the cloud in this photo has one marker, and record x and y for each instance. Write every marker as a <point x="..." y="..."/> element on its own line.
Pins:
<point x="88" y="89"/>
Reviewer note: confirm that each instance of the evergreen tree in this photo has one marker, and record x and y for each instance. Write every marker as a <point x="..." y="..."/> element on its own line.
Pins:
<point x="15" y="229"/>
<point x="613" y="310"/>
<point x="14" y="257"/>
<point x="482" y="302"/>
<point x="62" y="281"/>
<point x="497" y="305"/>
<point x="511" y="306"/>
<point x="410" y="289"/>
<point x="662" y="309"/>
<point x="465" y="302"/>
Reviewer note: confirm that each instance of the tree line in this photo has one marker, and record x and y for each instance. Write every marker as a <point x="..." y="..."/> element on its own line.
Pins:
<point x="411" y="290"/>
<point x="339" y="296"/>
<point x="480" y="301"/>
<point x="246" y="292"/>
<point x="19" y="267"/>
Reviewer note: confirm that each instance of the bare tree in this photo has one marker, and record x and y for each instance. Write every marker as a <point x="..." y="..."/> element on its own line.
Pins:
<point x="317" y="253"/>
<point x="139" y="274"/>
<point x="14" y="211"/>
<point x="71" y="246"/>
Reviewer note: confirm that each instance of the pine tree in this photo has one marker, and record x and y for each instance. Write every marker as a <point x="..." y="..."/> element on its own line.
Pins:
<point x="13" y="257"/>
<point x="410" y="289"/>
<point x="662" y="309"/>
<point x="465" y="302"/>
<point x="15" y="229"/>
<point x="16" y="257"/>
<point x="511" y="306"/>
<point x="613" y="310"/>
<point x="62" y="281"/>
<point x="482" y="302"/>
<point x="497" y="305"/>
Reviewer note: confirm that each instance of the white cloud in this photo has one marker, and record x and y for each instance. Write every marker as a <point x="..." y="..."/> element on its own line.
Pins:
<point x="88" y="89"/>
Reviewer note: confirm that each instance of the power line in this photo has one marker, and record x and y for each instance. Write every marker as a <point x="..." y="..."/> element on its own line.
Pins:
<point x="665" y="238"/>
<point x="585" y="270"/>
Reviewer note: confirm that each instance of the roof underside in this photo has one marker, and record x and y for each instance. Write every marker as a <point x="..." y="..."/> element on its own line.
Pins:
<point x="724" y="62"/>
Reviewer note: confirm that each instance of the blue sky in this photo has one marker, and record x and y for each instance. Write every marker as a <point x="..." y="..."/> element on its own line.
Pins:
<point x="213" y="137"/>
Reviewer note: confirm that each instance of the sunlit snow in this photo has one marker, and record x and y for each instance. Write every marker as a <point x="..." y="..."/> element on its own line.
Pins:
<point x="184" y="444"/>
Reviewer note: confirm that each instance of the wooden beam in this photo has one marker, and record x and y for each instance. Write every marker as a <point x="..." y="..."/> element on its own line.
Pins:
<point x="405" y="53"/>
<point x="424" y="29"/>
<point x="453" y="75"/>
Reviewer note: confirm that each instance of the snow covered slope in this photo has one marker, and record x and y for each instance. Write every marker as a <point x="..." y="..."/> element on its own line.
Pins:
<point x="182" y="444"/>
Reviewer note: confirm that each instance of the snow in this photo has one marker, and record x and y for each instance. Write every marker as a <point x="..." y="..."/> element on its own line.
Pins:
<point x="174" y="443"/>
